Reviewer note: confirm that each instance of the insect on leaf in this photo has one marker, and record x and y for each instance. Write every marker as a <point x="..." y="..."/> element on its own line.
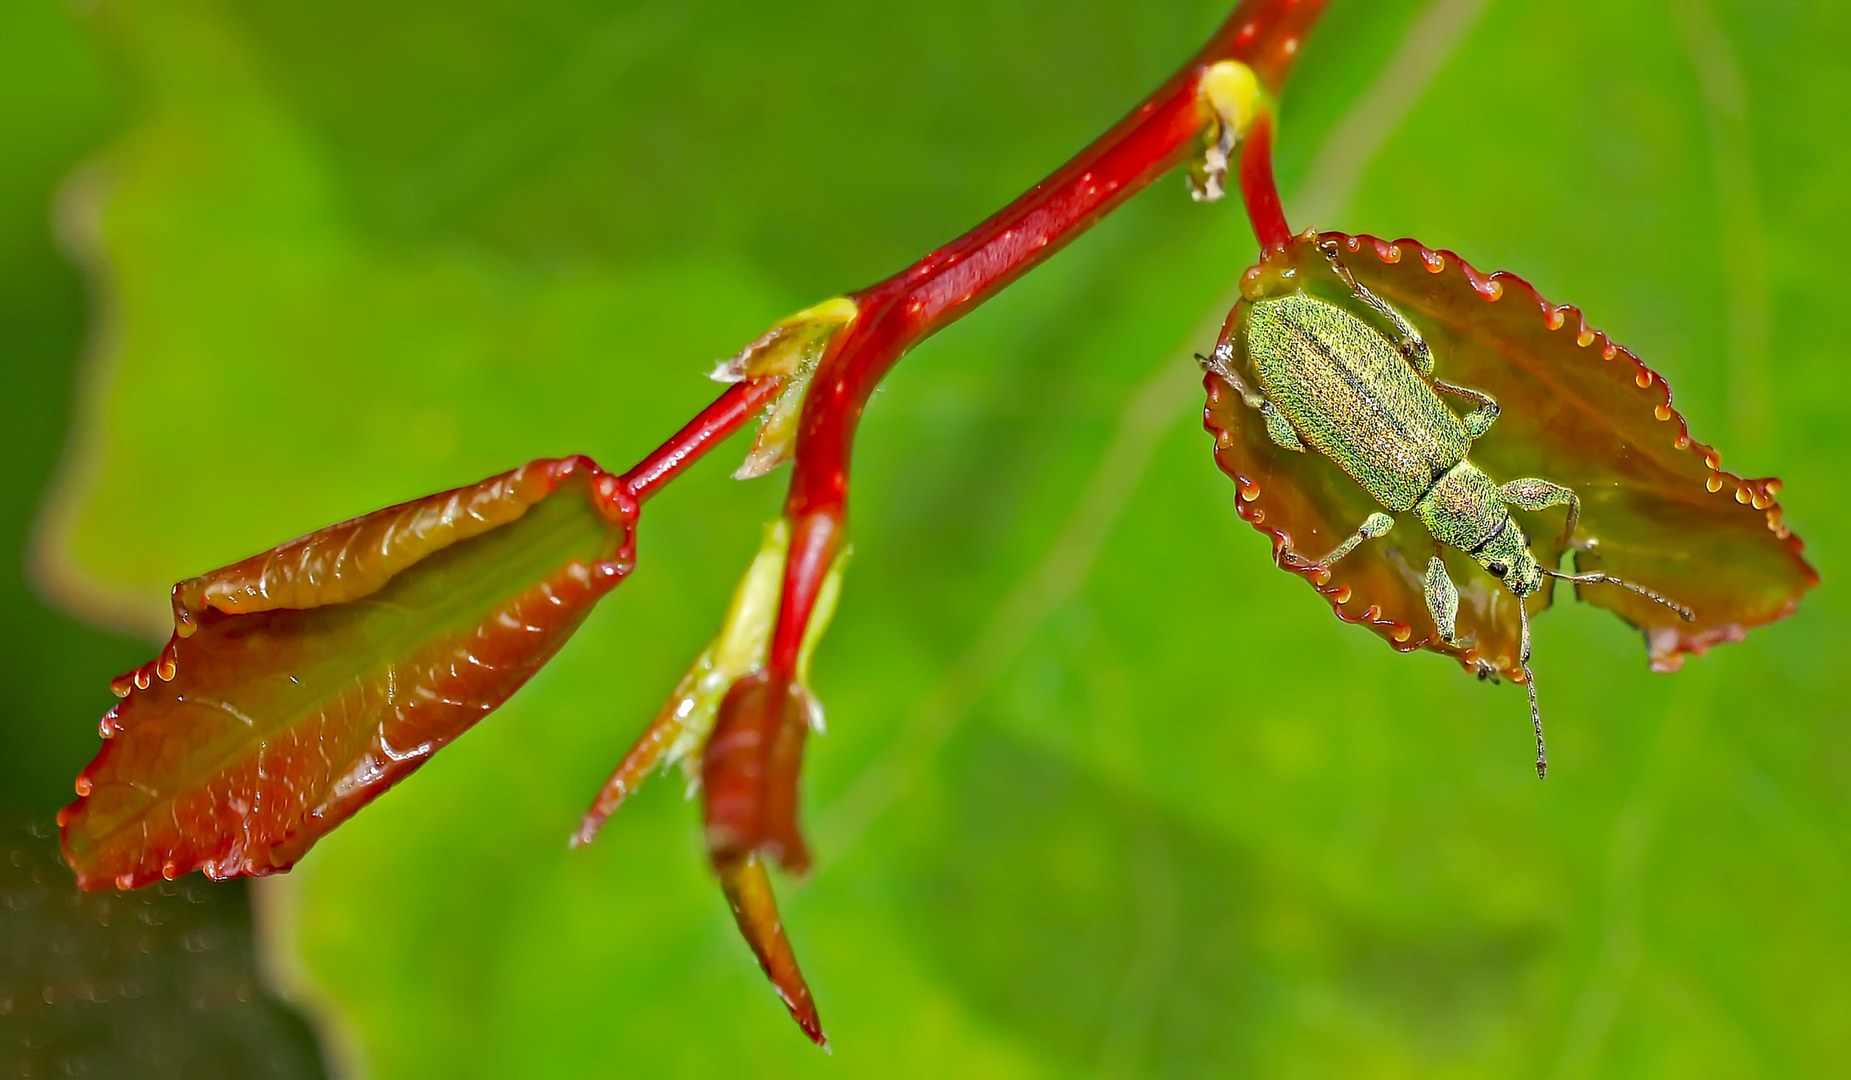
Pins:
<point x="1578" y="410"/>
<point x="303" y="682"/>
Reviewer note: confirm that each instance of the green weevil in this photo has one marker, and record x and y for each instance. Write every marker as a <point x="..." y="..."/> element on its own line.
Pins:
<point x="1358" y="387"/>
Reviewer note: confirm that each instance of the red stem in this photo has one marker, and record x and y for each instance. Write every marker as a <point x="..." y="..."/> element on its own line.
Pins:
<point x="904" y="310"/>
<point x="711" y="425"/>
<point x="1257" y="188"/>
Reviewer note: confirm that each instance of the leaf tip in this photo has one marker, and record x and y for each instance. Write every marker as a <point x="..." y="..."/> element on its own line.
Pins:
<point x="747" y="886"/>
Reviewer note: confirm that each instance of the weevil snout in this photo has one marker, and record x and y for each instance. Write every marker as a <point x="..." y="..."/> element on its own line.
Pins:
<point x="1506" y="556"/>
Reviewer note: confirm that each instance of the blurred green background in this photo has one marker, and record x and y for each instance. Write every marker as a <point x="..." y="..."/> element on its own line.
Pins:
<point x="1103" y="791"/>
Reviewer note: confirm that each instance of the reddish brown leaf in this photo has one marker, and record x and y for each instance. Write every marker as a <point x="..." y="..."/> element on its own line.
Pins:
<point x="302" y="683"/>
<point x="1577" y="410"/>
<point x="755" y="908"/>
<point x="749" y="771"/>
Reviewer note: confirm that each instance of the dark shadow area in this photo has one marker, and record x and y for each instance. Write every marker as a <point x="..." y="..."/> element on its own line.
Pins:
<point x="160" y="982"/>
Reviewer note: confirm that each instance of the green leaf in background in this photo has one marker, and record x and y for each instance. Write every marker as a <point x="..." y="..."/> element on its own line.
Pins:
<point x="351" y="253"/>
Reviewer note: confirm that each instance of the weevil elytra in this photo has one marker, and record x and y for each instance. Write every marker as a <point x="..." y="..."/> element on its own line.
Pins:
<point x="1355" y="382"/>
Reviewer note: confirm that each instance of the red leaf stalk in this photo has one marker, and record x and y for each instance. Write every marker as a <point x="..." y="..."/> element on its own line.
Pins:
<point x="1258" y="190"/>
<point x="712" y="425"/>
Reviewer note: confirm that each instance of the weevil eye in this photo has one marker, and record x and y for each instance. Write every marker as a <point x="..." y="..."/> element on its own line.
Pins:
<point x="1498" y="569"/>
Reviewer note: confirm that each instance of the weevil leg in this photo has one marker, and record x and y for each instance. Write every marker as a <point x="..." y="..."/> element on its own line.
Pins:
<point x="1531" y="493"/>
<point x="1374" y="525"/>
<point x="1529" y="680"/>
<point x="1222" y="364"/>
<point x="1279" y="429"/>
<point x="1479" y="420"/>
<point x="1407" y="339"/>
<point x="1442" y="598"/>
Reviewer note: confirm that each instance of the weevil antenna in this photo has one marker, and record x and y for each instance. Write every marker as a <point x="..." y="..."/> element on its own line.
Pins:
<point x="1529" y="681"/>
<point x="1596" y="578"/>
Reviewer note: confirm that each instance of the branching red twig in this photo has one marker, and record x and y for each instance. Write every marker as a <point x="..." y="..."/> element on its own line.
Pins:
<point x="1217" y="105"/>
<point x="1220" y="98"/>
<point x="904" y="310"/>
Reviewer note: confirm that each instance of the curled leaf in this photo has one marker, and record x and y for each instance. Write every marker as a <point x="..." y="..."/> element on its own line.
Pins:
<point x="302" y="683"/>
<point x="1577" y="409"/>
<point x="749" y="771"/>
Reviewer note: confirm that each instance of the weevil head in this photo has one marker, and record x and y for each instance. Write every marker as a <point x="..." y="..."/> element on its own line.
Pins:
<point x="1507" y="557"/>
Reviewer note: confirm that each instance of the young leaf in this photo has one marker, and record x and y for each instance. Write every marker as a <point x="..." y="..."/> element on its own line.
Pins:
<point x="303" y="682"/>
<point x="755" y="909"/>
<point x="749" y="776"/>
<point x="750" y="768"/>
<point x="1578" y="410"/>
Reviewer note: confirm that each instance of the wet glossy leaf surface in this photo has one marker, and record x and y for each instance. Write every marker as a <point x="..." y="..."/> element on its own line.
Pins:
<point x="302" y="683"/>
<point x="1577" y="410"/>
<point x="1103" y="791"/>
